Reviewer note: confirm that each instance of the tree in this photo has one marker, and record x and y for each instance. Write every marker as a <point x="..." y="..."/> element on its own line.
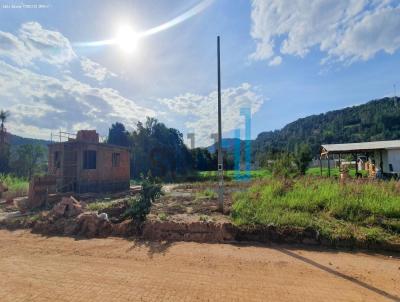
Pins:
<point x="375" y="120"/>
<point x="303" y="157"/>
<point x="3" y="118"/>
<point x="117" y="135"/>
<point x="29" y="160"/>
<point x="4" y="147"/>
<point x="159" y="149"/>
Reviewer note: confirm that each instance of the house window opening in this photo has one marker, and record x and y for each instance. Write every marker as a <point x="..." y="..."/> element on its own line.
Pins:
<point x="116" y="159"/>
<point x="89" y="159"/>
<point x="57" y="159"/>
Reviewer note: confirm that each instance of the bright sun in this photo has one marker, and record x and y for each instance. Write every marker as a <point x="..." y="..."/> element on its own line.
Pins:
<point x="127" y="39"/>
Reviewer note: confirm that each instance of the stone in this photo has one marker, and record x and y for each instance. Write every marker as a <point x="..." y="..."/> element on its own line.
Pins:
<point x="67" y="207"/>
<point x="90" y="225"/>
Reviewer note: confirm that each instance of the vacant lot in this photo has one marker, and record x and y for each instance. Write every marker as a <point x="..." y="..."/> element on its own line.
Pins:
<point x="367" y="211"/>
<point x="36" y="268"/>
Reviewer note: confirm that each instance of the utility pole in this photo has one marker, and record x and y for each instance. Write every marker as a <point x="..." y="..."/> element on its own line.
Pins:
<point x="220" y="159"/>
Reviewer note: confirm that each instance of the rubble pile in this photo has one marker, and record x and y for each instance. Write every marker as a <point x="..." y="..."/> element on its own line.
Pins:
<point x="68" y="218"/>
<point x="68" y="207"/>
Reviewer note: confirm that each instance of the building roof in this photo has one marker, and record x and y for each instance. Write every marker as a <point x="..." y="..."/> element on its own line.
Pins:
<point x="366" y="146"/>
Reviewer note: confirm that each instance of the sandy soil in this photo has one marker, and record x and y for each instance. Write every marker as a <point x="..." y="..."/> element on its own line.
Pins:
<point x="37" y="268"/>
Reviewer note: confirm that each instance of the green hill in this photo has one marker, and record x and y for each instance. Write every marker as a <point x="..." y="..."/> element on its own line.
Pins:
<point x="375" y="120"/>
<point x="16" y="141"/>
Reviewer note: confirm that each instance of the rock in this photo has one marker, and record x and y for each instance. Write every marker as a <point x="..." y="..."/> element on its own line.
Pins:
<point x="90" y="225"/>
<point x="67" y="207"/>
<point x="103" y="216"/>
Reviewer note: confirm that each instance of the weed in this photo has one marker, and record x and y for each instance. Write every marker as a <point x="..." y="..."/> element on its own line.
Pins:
<point x="16" y="186"/>
<point x="163" y="216"/>
<point x="204" y="218"/>
<point x="207" y="193"/>
<point x="370" y="210"/>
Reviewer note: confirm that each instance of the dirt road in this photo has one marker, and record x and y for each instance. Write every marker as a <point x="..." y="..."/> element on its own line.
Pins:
<point x="37" y="268"/>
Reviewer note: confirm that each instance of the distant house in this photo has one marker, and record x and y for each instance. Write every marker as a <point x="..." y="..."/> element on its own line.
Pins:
<point x="385" y="155"/>
<point x="83" y="164"/>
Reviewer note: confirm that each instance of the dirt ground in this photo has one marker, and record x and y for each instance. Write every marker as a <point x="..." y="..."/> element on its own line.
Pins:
<point x="37" y="268"/>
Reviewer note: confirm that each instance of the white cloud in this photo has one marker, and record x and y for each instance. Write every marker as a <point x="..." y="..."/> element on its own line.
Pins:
<point x="345" y="30"/>
<point x="275" y="61"/>
<point x="33" y="42"/>
<point x="40" y="104"/>
<point x="201" y="110"/>
<point x="95" y="70"/>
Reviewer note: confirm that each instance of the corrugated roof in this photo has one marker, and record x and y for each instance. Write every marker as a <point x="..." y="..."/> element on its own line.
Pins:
<point x="362" y="146"/>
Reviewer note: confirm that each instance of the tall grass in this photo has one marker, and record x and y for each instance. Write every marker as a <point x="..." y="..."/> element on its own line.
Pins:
<point x="353" y="208"/>
<point x="16" y="186"/>
<point x="316" y="171"/>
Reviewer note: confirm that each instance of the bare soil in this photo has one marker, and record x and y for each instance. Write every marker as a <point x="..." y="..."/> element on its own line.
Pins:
<point x="188" y="203"/>
<point x="37" y="268"/>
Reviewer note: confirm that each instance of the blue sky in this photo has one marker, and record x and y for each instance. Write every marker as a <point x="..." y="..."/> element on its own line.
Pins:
<point x="285" y="59"/>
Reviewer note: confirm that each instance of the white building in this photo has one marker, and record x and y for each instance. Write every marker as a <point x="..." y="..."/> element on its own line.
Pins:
<point x="384" y="154"/>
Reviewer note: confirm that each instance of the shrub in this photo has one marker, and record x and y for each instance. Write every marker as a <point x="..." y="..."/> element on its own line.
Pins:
<point x="283" y="166"/>
<point x="139" y="207"/>
<point x="16" y="186"/>
<point x="303" y="157"/>
<point x="207" y="193"/>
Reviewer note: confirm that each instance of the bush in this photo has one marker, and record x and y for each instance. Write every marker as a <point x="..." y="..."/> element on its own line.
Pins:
<point x="303" y="157"/>
<point x="283" y="166"/>
<point x="139" y="207"/>
<point x="16" y="186"/>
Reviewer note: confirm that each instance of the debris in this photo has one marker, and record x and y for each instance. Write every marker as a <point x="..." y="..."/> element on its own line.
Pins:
<point x="91" y="225"/>
<point x="103" y="216"/>
<point x="67" y="207"/>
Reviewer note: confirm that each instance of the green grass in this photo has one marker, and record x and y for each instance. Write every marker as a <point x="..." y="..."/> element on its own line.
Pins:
<point x="234" y="175"/>
<point x="101" y="205"/>
<point x="369" y="210"/>
<point x="207" y="193"/>
<point x="163" y="216"/>
<point x="316" y="171"/>
<point x="16" y="186"/>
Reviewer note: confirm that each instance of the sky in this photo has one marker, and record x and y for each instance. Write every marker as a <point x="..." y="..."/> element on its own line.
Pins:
<point x="70" y="65"/>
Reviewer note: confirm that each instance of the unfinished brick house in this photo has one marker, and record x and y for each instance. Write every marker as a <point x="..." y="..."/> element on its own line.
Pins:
<point x="83" y="164"/>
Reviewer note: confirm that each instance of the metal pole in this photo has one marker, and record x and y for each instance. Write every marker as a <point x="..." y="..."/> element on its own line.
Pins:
<point x="329" y="166"/>
<point x="320" y="164"/>
<point x="220" y="160"/>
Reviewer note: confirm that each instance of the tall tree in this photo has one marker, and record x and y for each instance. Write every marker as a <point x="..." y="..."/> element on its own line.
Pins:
<point x="4" y="147"/>
<point x="3" y="117"/>
<point x="117" y="135"/>
<point x="160" y="150"/>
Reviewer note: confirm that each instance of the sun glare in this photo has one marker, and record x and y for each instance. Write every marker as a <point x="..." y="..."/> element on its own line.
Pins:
<point x="127" y="38"/>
